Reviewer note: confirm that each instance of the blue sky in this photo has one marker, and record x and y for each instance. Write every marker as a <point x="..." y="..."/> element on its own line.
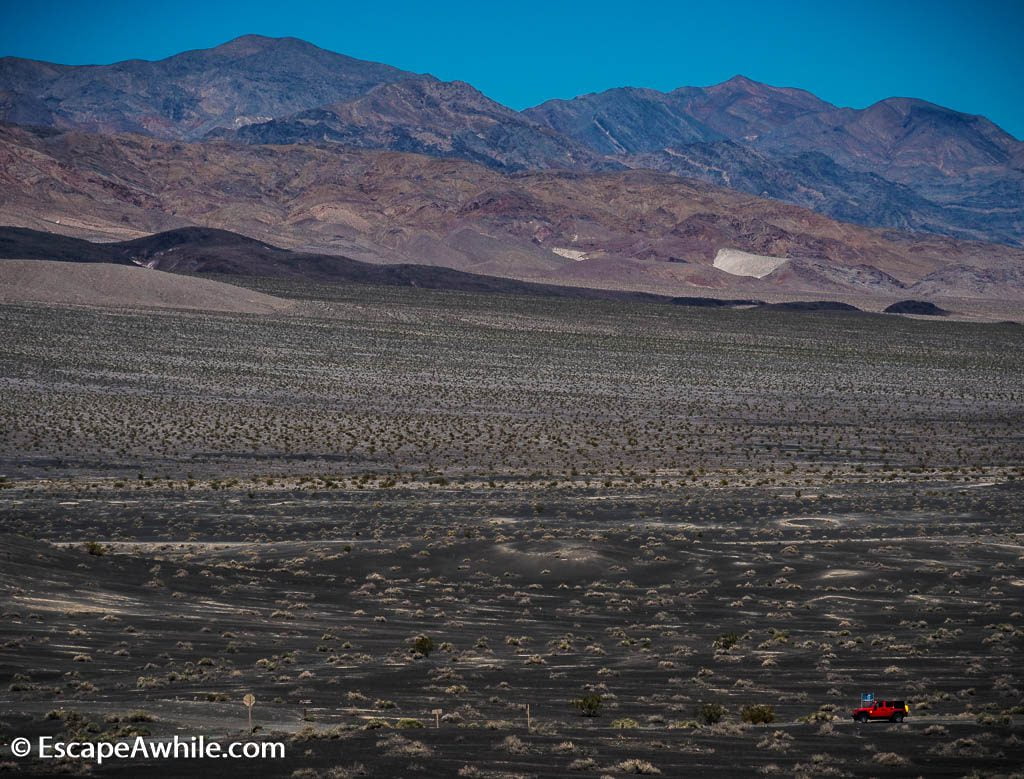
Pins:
<point x="965" y="55"/>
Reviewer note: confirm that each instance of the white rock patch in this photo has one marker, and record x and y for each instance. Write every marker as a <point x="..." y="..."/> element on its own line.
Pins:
<point x="740" y="263"/>
<point x="572" y="254"/>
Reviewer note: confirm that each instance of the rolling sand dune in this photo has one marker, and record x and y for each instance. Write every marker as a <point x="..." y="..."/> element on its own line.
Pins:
<point x="104" y="284"/>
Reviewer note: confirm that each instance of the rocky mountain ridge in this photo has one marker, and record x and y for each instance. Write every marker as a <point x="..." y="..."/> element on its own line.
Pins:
<point x="900" y="163"/>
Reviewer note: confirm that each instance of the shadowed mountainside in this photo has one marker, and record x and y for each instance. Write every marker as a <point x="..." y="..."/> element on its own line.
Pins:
<point x="200" y="250"/>
<point x="444" y="119"/>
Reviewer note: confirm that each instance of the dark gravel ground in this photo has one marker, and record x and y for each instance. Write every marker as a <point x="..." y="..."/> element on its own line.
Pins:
<point x="728" y="598"/>
<point x="663" y="508"/>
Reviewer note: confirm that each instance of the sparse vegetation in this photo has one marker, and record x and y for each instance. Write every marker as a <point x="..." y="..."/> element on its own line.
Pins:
<point x="423" y="644"/>
<point x="710" y="713"/>
<point x="314" y="544"/>
<point x="758" y="714"/>
<point x="588" y="705"/>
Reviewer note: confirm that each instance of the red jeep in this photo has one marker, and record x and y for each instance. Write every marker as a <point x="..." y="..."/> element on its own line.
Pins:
<point x="892" y="711"/>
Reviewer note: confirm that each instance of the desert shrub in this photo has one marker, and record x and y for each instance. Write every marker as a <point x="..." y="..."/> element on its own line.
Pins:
<point x="345" y="772"/>
<point x="994" y="720"/>
<point x="62" y="714"/>
<point x="588" y="705"/>
<point x="625" y="723"/>
<point x="727" y="641"/>
<point x="961" y="747"/>
<point x="397" y="746"/>
<point x="514" y="745"/>
<point x="758" y="714"/>
<point x="95" y="548"/>
<point x="710" y="713"/>
<point x="423" y="644"/>
<point x="547" y="727"/>
<point x="728" y="728"/>
<point x="683" y="724"/>
<point x="635" y="766"/>
<point x="75" y="723"/>
<point x="409" y="723"/>
<point x="776" y="741"/>
<point x="890" y="759"/>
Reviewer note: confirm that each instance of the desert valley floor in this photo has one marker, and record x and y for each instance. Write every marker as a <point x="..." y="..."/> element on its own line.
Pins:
<point x="378" y="503"/>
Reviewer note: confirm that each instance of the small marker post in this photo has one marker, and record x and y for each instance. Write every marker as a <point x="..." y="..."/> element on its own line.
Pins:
<point x="529" y="725"/>
<point x="437" y="717"/>
<point x="249" y="700"/>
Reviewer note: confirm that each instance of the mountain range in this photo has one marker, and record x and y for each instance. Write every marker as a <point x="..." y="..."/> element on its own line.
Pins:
<point x="898" y="163"/>
<point x="249" y="79"/>
<point x="630" y="188"/>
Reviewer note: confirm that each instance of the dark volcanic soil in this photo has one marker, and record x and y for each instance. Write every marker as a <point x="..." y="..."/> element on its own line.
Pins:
<point x="662" y="507"/>
<point x="912" y="593"/>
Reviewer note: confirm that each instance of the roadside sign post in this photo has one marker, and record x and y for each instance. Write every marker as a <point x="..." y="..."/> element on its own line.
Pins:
<point x="249" y="700"/>
<point x="437" y="717"/>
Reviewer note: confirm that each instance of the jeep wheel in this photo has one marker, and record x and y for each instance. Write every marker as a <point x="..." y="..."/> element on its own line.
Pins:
<point x="897" y="718"/>
<point x="861" y="717"/>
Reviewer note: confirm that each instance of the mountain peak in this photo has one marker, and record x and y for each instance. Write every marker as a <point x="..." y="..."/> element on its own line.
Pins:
<point x="740" y="84"/>
<point x="248" y="79"/>
<point x="255" y="44"/>
<point x="250" y="38"/>
<point x="739" y="80"/>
